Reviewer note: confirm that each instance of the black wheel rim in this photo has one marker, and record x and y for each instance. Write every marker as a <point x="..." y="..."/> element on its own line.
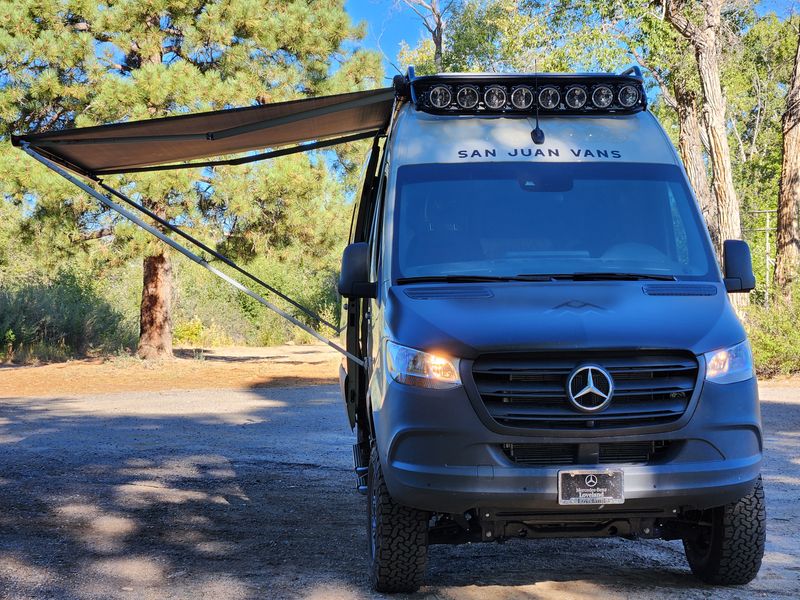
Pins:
<point x="703" y="540"/>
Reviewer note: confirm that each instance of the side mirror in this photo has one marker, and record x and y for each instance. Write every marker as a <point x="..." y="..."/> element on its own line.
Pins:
<point x="354" y="278"/>
<point x="738" y="266"/>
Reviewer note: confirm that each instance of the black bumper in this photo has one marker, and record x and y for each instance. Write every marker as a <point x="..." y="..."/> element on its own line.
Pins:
<point x="438" y="455"/>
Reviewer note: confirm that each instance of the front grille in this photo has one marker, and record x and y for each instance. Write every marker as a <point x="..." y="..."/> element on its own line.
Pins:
<point x="529" y="390"/>
<point x="567" y="454"/>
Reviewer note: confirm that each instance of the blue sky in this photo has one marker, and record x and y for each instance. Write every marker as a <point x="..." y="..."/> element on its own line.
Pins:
<point x="388" y="23"/>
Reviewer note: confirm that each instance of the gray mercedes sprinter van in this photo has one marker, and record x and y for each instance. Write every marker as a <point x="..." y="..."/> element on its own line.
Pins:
<point x="549" y="347"/>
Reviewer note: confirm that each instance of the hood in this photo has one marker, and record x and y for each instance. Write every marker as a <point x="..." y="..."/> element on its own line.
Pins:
<point x="470" y="319"/>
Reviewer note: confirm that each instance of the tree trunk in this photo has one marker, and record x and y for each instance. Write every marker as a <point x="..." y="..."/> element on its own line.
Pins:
<point x="690" y="146"/>
<point x="728" y="215"/>
<point x="787" y="257"/>
<point x="730" y="226"/>
<point x="703" y="38"/>
<point x="155" y="320"/>
<point x="155" y="312"/>
<point x="437" y="44"/>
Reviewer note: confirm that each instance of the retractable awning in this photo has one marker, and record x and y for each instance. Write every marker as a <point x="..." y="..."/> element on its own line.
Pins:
<point x="138" y="145"/>
<point x="192" y="140"/>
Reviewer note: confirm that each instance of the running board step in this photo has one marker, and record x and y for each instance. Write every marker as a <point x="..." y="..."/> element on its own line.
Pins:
<point x="361" y="468"/>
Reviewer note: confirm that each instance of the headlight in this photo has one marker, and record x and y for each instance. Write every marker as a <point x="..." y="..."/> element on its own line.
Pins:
<point x="522" y="98"/>
<point x="494" y="97"/>
<point x="730" y="365"/>
<point x="414" y="367"/>
<point x="467" y="97"/>
<point x="440" y="96"/>
<point x="628" y="96"/>
<point x="549" y="97"/>
<point x="576" y="97"/>
<point x="602" y="96"/>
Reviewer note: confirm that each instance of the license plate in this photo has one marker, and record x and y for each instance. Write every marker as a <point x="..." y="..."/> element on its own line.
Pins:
<point x="591" y="487"/>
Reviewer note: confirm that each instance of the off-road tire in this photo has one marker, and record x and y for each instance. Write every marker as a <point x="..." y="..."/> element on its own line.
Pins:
<point x="397" y="537"/>
<point x="731" y="552"/>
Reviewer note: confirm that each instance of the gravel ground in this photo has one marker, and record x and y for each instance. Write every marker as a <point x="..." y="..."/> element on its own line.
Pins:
<point x="248" y="494"/>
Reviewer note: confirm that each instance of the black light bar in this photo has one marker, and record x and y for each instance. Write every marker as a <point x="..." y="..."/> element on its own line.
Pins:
<point x="525" y="94"/>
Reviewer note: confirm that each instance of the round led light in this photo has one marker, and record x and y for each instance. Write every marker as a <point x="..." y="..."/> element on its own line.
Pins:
<point x="602" y="96"/>
<point x="522" y="98"/>
<point x="549" y="97"/>
<point x="628" y="96"/>
<point x="467" y="97"/>
<point x="575" y="97"/>
<point x="494" y="97"/>
<point x="439" y="96"/>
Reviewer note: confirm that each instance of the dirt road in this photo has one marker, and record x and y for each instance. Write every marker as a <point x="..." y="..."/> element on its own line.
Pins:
<point x="248" y="494"/>
<point x="192" y="369"/>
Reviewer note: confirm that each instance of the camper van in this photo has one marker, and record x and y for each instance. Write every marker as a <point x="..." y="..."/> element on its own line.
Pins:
<point x="539" y="341"/>
<point x="549" y="345"/>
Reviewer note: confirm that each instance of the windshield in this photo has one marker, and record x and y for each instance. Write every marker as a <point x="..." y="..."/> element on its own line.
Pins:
<point x="510" y="219"/>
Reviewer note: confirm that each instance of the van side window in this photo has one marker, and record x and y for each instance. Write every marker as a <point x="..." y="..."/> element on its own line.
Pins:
<point x="377" y="227"/>
<point x="365" y="202"/>
<point x="681" y="241"/>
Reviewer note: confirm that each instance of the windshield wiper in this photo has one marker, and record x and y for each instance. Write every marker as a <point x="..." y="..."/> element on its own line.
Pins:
<point x="602" y="275"/>
<point x="472" y="278"/>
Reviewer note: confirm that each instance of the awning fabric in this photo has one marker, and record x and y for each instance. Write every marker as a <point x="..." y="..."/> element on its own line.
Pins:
<point x="116" y="148"/>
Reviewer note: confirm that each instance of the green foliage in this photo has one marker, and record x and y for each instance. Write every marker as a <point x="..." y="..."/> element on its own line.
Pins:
<point x="196" y="334"/>
<point x="57" y="318"/>
<point x="78" y="65"/>
<point x="508" y="36"/>
<point x="775" y="337"/>
<point x="66" y="63"/>
<point x="188" y="332"/>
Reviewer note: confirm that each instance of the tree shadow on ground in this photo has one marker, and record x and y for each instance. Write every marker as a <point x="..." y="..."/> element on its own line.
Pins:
<point x="250" y="495"/>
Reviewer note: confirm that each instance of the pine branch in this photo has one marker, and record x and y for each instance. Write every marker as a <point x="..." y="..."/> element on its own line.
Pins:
<point x="96" y="234"/>
<point x="84" y="27"/>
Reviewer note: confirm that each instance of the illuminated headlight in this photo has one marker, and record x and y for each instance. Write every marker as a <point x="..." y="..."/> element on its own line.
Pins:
<point x="440" y="96"/>
<point x="467" y="97"/>
<point x="421" y="369"/>
<point x="575" y="97"/>
<point x="549" y="97"/>
<point x="522" y="98"/>
<point x="494" y="97"/>
<point x="628" y="96"/>
<point x="730" y="365"/>
<point x="602" y="96"/>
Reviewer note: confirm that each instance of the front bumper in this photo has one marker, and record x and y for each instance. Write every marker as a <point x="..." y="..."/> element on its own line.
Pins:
<point x="437" y="455"/>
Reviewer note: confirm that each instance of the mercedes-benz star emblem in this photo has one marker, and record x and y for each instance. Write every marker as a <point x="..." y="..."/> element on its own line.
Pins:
<point x="591" y="480"/>
<point x="590" y="388"/>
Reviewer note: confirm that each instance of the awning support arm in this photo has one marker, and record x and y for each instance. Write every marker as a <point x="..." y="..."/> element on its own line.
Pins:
<point x="186" y="252"/>
<point x="165" y="223"/>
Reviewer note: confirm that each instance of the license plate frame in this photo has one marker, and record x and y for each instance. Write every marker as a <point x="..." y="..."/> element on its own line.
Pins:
<point x="593" y="487"/>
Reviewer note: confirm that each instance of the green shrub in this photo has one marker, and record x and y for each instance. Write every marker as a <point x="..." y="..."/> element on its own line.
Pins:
<point x="188" y="333"/>
<point x="54" y="319"/>
<point x="775" y="337"/>
<point x="195" y="333"/>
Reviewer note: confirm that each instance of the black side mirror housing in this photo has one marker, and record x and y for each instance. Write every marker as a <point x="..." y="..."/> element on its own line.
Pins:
<point x="354" y="277"/>
<point x="738" y="266"/>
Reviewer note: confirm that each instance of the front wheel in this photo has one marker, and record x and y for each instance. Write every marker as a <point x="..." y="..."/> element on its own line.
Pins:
<point x="730" y="544"/>
<point x="398" y="537"/>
